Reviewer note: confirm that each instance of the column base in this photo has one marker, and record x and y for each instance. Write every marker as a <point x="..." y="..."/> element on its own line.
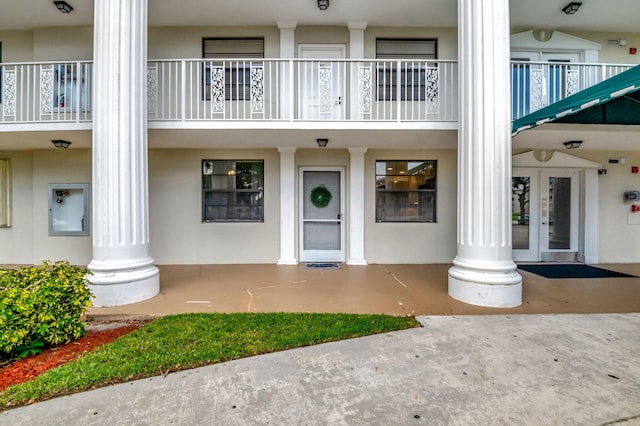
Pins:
<point x="357" y="262"/>
<point x="484" y="283"/>
<point x="123" y="282"/>
<point x="291" y="262"/>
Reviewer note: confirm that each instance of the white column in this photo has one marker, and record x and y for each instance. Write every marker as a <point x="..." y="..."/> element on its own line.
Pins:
<point x="287" y="207"/>
<point x="123" y="271"/>
<point x="356" y="207"/>
<point x="356" y="51"/>
<point x="484" y="272"/>
<point x="591" y="191"/>
<point x="287" y="51"/>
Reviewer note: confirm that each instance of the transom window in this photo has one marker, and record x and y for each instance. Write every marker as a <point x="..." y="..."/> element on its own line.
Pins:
<point x="413" y="53"/>
<point x="232" y="190"/>
<point x="406" y="190"/>
<point x="237" y="73"/>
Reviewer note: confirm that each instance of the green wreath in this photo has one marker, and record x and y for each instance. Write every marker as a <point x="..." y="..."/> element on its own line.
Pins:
<point x="320" y="196"/>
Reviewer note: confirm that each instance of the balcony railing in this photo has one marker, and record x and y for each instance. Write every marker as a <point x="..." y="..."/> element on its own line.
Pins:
<point x="45" y="92"/>
<point x="302" y="90"/>
<point x="284" y="90"/>
<point x="535" y="85"/>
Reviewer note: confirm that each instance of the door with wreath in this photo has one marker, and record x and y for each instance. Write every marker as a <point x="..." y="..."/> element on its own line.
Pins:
<point x="321" y="228"/>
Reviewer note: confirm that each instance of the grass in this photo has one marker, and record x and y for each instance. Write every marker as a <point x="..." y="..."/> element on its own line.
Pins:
<point x="180" y="342"/>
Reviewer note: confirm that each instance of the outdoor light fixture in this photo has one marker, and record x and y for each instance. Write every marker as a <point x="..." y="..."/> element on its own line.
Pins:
<point x="323" y="4"/>
<point x="63" y="6"/>
<point x="322" y="142"/>
<point x="572" y="7"/>
<point x="59" y="143"/>
<point x="572" y="144"/>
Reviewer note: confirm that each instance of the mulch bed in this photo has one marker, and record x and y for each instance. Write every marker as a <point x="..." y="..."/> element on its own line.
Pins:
<point x="99" y="333"/>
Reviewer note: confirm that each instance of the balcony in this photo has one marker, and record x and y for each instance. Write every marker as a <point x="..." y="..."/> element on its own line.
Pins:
<point x="183" y="93"/>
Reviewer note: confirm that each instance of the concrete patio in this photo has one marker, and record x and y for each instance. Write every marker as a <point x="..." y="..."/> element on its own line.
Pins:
<point x="389" y="289"/>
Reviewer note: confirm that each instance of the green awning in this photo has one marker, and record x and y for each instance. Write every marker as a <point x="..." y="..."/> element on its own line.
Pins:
<point x="613" y="101"/>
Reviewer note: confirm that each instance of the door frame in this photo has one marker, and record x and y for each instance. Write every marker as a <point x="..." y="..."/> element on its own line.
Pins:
<point x="537" y="162"/>
<point x="544" y="222"/>
<point x="338" y="73"/>
<point x="301" y="199"/>
<point x="538" y="250"/>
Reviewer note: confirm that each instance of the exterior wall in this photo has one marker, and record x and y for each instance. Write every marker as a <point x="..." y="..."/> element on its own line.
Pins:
<point x="63" y="44"/>
<point x="413" y="242"/>
<point x="618" y="238"/>
<point x="58" y="166"/>
<point x="614" y="54"/>
<point x="322" y="35"/>
<point x="447" y="38"/>
<point x="186" y="42"/>
<point x="178" y="235"/>
<point x="16" y="242"/>
<point x="17" y="46"/>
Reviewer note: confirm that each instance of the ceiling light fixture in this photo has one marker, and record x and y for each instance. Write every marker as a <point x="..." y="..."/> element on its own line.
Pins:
<point x="323" y="4"/>
<point x="572" y="144"/>
<point x="572" y="7"/>
<point x="322" y="142"/>
<point x="63" y="6"/>
<point x="59" y="143"/>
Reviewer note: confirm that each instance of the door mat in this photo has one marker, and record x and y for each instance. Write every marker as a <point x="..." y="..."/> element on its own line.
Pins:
<point x="321" y="266"/>
<point x="571" y="271"/>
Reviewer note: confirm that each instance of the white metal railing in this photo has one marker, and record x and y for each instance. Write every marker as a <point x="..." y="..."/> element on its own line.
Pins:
<point x="45" y="92"/>
<point x="285" y="89"/>
<point x="302" y="90"/>
<point x="535" y="85"/>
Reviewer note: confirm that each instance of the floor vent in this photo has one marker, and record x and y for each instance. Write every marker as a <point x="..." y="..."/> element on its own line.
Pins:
<point x="321" y="266"/>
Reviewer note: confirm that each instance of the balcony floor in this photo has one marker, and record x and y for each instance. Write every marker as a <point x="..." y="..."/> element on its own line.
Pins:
<point x="389" y="289"/>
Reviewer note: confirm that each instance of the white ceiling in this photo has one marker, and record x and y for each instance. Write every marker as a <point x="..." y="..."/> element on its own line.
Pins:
<point x="599" y="15"/>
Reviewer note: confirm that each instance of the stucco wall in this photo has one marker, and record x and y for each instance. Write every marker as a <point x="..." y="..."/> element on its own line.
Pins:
<point x="58" y="166"/>
<point x="619" y="241"/>
<point x="63" y="44"/>
<point x="186" y="42"/>
<point x="16" y="242"/>
<point x="413" y="242"/>
<point x="17" y="46"/>
<point x="178" y="235"/>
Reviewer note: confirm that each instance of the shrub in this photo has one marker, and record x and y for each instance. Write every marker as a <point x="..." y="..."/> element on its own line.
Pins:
<point x="42" y="306"/>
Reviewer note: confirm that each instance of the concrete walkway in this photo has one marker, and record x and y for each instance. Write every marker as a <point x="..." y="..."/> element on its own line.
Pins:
<point x="456" y="370"/>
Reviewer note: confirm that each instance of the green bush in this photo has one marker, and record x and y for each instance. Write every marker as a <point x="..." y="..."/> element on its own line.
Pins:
<point x="41" y="306"/>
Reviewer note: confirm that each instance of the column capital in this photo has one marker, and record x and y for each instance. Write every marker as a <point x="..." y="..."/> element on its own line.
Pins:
<point x="357" y="150"/>
<point x="287" y="25"/>
<point x="357" y="26"/>
<point x="284" y="149"/>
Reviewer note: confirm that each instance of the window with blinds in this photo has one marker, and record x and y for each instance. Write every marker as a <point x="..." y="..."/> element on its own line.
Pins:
<point x="236" y="55"/>
<point x="412" y="54"/>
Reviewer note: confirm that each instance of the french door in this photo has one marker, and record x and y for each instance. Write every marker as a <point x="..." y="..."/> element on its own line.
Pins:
<point x="545" y="215"/>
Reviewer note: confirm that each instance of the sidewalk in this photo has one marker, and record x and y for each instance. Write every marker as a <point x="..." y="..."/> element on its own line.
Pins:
<point x="458" y="370"/>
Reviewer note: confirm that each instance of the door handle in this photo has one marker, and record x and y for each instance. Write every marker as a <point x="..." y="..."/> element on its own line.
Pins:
<point x="339" y="102"/>
<point x="339" y="216"/>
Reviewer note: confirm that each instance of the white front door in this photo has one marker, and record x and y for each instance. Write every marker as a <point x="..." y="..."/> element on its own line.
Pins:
<point x="321" y="227"/>
<point x="322" y="82"/>
<point x="545" y="215"/>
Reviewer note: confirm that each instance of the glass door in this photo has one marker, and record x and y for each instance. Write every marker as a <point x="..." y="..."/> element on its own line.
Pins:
<point x="525" y="214"/>
<point x="559" y="218"/>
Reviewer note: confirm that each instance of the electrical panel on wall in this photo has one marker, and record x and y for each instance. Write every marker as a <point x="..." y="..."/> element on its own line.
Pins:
<point x="69" y="209"/>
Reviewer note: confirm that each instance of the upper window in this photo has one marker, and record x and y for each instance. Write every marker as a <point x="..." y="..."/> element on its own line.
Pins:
<point x="237" y="72"/>
<point x="406" y="190"/>
<point x="232" y="191"/>
<point x="411" y="55"/>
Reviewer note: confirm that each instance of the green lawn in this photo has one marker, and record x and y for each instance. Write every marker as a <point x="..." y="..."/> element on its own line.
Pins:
<point x="179" y="342"/>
